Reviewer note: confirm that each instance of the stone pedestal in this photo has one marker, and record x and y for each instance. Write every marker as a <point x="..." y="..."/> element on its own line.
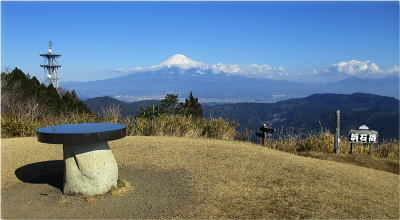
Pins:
<point x="90" y="169"/>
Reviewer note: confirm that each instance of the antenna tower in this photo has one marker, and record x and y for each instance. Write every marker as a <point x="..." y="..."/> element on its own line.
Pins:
<point x="51" y="66"/>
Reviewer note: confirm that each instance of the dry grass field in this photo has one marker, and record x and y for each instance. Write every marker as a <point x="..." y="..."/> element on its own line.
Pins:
<point x="172" y="177"/>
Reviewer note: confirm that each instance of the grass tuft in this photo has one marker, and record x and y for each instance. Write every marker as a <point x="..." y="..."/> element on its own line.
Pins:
<point x="90" y="199"/>
<point x="122" y="188"/>
<point x="64" y="201"/>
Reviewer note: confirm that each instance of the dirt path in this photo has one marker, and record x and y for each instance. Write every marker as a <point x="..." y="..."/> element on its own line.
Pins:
<point x="155" y="194"/>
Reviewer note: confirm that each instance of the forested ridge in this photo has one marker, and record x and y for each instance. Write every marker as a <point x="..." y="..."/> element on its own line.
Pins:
<point x="19" y="88"/>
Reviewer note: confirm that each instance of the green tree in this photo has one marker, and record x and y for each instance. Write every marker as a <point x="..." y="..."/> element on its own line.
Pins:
<point x="170" y="105"/>
<point x="149" y="112"/>
<point x="192" y="106"/>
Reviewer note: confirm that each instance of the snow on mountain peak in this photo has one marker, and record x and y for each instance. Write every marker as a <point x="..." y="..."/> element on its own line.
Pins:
<point x="180" y="61"/>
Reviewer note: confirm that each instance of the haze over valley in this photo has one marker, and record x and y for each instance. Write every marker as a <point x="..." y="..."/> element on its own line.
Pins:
<point x="233" y="83"/>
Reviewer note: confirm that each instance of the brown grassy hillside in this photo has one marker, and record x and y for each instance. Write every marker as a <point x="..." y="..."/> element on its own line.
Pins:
<point x="200" y="178"/>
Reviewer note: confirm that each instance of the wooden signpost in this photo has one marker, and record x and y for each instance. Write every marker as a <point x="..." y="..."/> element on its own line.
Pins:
<point x="337" y="133"/>
<point x="265" y="132"/>
<point x="363" y="136"/>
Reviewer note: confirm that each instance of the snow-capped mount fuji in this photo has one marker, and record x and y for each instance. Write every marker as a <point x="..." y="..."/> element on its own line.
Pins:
<point x="218" y="83"/>
<point x="182" y="61"/>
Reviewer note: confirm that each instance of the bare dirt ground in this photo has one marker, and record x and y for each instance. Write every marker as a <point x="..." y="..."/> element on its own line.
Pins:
<point x="196" y="178"/>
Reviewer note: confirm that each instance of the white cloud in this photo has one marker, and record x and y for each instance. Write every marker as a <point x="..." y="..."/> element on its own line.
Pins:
<point x="355" y="68"/>
<point x="394" y="70"/>
<point x="136" y="69"/>
<point x="252" y="70"/>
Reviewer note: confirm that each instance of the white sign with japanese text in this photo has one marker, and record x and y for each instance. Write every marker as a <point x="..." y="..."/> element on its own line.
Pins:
<point x="363" y="136"/>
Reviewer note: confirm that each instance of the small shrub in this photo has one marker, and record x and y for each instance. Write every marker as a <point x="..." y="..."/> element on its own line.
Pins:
<point x="389" y="149"/>
<point x="111" y="113"/>
<point x="244" y="135"/>
<point x="324" y="142"/>
<point x="19" y="128"/>
<point x="22" y="127"/>
<point x="219" y="129"/>
<point x="289" y="145"/>
<point x="183" y="126"/>
<point x="129" y="123"/>
<point x="141" y="126"/>
<point x="75" y="118"/>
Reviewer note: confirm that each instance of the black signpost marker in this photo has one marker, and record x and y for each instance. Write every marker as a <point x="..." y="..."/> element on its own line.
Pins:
<point x="265" y="132"/>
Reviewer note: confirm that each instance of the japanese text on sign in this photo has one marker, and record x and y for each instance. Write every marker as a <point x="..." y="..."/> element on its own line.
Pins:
<point x="367" y="138"/>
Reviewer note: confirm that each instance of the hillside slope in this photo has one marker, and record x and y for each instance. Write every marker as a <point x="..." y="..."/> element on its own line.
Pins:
<point x="304" y="115"/>
<point x="308" y="114"/>
<point x="127" y="108"/>
<point x="20" y="92"/>
<point x="198" y="178"/>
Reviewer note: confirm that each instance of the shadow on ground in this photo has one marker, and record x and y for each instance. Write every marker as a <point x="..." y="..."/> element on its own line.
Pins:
<point x="46" y="172"/>
<point x="156" y="193"/>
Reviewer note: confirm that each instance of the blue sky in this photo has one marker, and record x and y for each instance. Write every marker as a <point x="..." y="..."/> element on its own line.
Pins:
<point x="97" y="38"/>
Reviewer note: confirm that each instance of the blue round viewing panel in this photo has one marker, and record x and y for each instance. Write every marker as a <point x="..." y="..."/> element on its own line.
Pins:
<point x="84" y="133"/>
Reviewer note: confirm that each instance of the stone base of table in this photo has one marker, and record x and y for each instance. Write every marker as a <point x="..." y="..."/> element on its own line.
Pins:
<point x="90" y="169"/>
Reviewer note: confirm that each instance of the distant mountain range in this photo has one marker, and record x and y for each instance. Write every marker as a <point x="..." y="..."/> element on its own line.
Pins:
<point x="310" y="114"/>
<point x="299" y="116"/>
<point x="210" y="83"/>
<point x="97" y="104"/>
